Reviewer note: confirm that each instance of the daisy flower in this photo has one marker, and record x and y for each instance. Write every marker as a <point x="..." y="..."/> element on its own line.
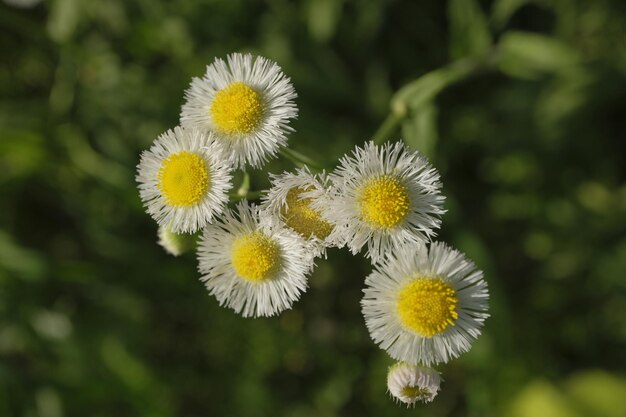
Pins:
<point x="410" y="383"/>
<point x="425" y="306"/>
<point x="256" y="270"/>
<point x="289" y="201"/>
<point x="184" y="179"/>
<point x="384" y="197"/>
<point x="247" y="102"/>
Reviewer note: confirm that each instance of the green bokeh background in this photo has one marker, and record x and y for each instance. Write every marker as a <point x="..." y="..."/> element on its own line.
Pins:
<point x="521" y="105"/>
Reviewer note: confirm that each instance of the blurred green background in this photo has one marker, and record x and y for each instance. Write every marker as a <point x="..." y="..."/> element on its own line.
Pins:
<point x="520" y="104"/>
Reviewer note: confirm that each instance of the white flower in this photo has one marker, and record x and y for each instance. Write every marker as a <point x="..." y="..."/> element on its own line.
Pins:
<point x="175" y="243"/>
<point x="384" y="197"/>
<point x="425" y="306"/>
<point x="256" y="270"/>
<point x="411" y="383"/>
<point x="247" y="102"/>
<point x="289" y="202"/>
<point x="184" y="179"/>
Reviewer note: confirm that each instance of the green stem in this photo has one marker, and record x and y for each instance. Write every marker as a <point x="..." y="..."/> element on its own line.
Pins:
<point x="250" y="195"/>
<point x="389" y="125"/>
<point x="244" y="190"/>
<point x="299" y="159"/>
<point x="425" y="89"/>
<point x="245" y="185"/>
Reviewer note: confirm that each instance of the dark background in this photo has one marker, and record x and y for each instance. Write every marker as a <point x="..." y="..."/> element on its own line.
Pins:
<point x="527" y="132"/>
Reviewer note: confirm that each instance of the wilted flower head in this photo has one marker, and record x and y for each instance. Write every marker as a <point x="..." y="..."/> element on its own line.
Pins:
<point x="411" y="383"/>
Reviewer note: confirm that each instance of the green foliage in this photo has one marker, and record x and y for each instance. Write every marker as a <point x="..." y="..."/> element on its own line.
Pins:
<point x="469" y="34"/>
<point x="519" y="104"/>
<point x="420" y="130"/>
<point x="530" y="55"/>
<point x="588" y="393"/>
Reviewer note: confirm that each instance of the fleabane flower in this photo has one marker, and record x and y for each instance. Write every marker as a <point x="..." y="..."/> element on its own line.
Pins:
<point x="256" y="270"/>
<point x="289" y="200"/>
<point x="425" y="306"/>
<point x="412" y="383"/>
<point x="384" y="197"/>
<point x="247" y="102"/>
<point x="184" y="179"/>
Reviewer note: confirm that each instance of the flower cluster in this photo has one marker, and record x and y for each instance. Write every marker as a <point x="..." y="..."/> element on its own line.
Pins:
<point x="424" y="303"/>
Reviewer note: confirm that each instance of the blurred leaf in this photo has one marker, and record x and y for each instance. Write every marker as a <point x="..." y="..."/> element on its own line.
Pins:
<point x="88" y="160"/>
<point x="502" y="11"/>
<point x="52" y="324"/>
<point x="22" y="153"/>
<point x="528" y="55"/>
<point x="62" y="93"/>
<point x="540" y="398"/>
<point x="63" y="19"/>
<point x="538" y="245"/>
<point x="131" y="371"/>
<point x="420" y="130"/>
<point x="49" y="403"/>
<point x="505" y="205"/>
<point x="514" y="168"/>
<point x="25" y="262"/>
<point x="469" y="33"/>
<point x="323" y="16"/>
<point x="426" y="87"/>
<point x="598" y="393"/>
<point x="565" y="95"/>
<point x="595" y="197"/>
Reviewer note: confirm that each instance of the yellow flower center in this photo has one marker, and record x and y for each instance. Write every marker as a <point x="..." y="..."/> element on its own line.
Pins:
<point x="414" y="393"/>
<point x="302" y="218"/>
<point x="183" y="179"/>
<point x="427" y="306"/>
<point x="255" y="256"/>
<point x="237" y="109"/>
<point x="384" y="202"/>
